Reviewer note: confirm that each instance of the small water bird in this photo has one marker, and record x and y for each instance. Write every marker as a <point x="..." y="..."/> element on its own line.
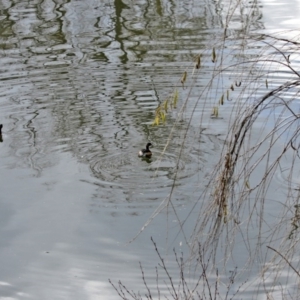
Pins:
<point x="146" y="152"/>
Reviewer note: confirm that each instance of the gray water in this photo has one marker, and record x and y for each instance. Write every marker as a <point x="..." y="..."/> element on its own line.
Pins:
<point x="79" y="85"/>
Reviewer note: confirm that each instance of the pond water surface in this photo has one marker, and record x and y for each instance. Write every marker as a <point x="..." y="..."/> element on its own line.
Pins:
<point x="79" y="85"/>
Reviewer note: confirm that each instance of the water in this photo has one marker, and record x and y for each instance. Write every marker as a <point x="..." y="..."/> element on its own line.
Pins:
<point x="79" y="84"/>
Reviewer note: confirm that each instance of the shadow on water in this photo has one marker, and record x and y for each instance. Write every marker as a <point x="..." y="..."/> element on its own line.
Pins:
<point x="1" y="137"/>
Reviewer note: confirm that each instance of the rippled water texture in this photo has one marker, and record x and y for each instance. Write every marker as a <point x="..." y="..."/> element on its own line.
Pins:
<point x="79" y="85"/>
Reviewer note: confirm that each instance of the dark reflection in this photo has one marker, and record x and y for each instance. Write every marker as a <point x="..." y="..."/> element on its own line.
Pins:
<point x="6" y="25"/>
<point x="159" y="9"/>
<point x="147" y="159"/>
<point x="1" y="138"/>
<point x="119" y="25"/>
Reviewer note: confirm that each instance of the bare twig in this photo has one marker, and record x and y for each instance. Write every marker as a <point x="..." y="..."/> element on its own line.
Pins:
<point x="285" y="260"/>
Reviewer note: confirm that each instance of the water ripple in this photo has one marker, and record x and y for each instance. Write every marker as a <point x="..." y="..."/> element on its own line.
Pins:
<point x="124" y="176"/>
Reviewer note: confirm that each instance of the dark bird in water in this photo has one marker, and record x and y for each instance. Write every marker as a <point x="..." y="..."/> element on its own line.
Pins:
<point x="146" y="152"/>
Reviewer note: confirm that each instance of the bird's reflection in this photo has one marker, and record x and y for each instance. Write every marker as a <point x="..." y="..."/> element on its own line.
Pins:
<point x="147" y="160"/>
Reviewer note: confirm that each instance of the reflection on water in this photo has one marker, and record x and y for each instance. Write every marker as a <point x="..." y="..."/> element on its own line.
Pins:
<point x="1" y="137"/>
<point x="79" y="84"/>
